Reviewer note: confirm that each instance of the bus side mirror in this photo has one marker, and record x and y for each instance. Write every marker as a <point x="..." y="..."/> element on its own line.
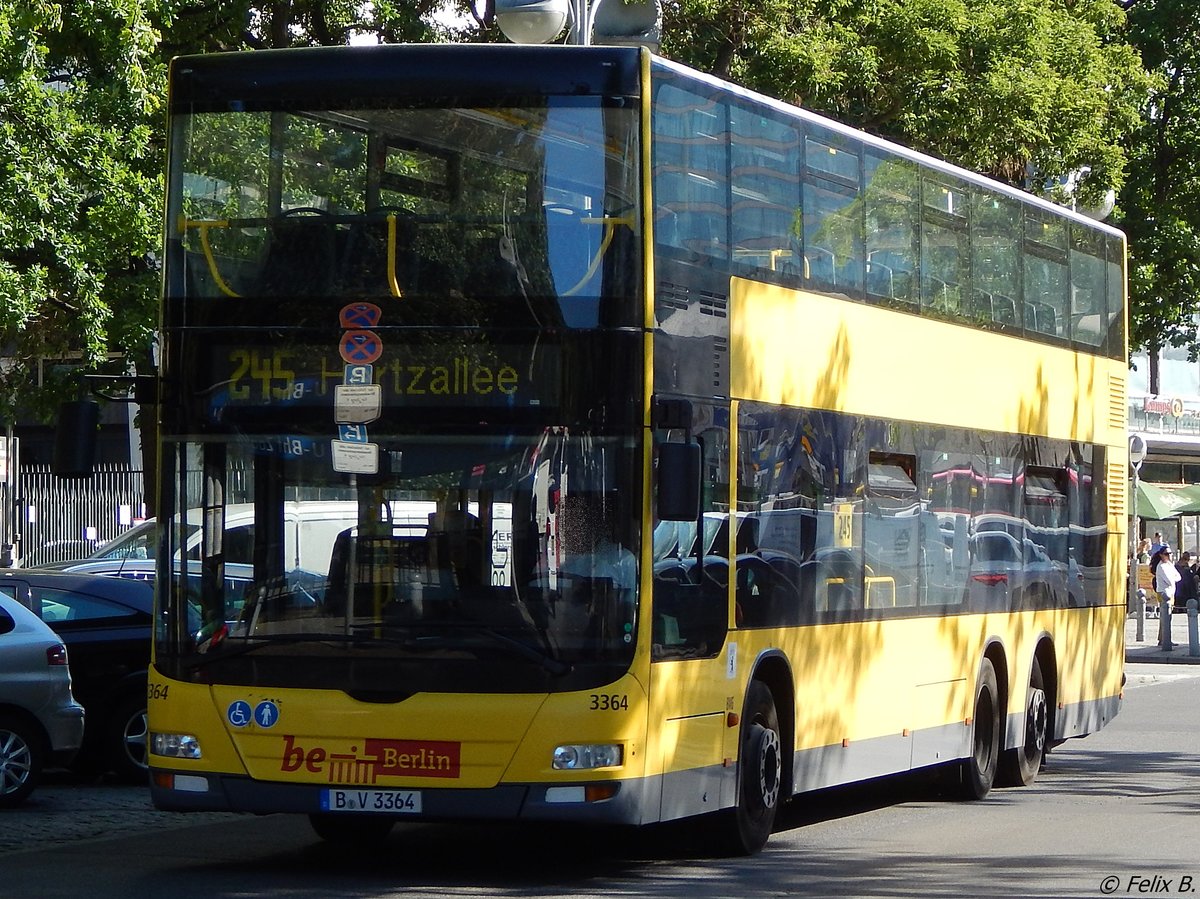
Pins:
<point x="679" y="481"/>
<point x="75" y="439"/>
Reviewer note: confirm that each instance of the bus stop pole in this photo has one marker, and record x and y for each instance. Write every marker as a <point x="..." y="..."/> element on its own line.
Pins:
<point x="1193" y="630"/>
<point x="1137" y="453"/>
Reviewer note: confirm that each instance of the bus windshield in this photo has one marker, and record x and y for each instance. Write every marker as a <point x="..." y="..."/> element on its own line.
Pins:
<point x="401" y="457"/>
<point x="473" y="562"/>
<point x="470" y="207"/>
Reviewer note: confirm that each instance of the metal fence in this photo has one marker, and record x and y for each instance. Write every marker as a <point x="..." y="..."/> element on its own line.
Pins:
<point x="56" y="519"/>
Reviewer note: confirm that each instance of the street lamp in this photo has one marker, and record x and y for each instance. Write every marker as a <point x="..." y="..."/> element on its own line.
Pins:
<point x="597" y="21"/>
<point x="532" y="21"/>
<point x="1137" y="455"/>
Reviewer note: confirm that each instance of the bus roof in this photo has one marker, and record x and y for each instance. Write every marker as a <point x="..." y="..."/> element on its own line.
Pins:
<point x="880" y="143"/>
<point x="483" y="73"/>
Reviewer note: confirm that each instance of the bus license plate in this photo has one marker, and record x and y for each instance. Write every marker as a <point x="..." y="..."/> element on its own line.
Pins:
<point x="389" y="802"/>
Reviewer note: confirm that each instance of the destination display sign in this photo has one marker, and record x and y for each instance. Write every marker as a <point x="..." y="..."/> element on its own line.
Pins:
<point x="398" y="375"/>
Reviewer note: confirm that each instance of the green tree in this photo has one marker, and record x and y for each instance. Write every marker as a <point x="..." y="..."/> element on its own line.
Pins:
<point x="1160" y="204"/>
<point x="1004" y="88"/>
<point x="82" y="118"/>
<point x="80" y="163"/>
<point x="205" y="26"/>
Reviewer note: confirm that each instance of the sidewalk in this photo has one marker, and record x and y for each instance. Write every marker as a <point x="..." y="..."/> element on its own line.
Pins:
<point x="1148" y="650"/>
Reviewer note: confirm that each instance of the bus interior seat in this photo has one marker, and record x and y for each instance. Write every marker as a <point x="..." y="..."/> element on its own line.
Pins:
<point x="793" y="586"/>
<point x="456" y="548"/>
<point x="299" y="259"/>
<point x="1087" y="327"/>
<point x="879" y="279"/>
<point x="746" y="540"/>
<point x="995" y="307"/>
<point x="1004" y="310"/>
<point x="363" y="266"/>
<point x="756" y="593"/>
<point x="384" y="562"/>
<point x="838" y="583"/>
<point x="820" y="266"/>
<point x="1041" y="317"/>
<point x="488" y="272"/>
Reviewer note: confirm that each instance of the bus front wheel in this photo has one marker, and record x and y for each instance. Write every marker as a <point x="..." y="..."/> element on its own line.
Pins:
<point x="1019" y="767"/>
<point x="748" y="826"/>
<point x="979" y="770"/>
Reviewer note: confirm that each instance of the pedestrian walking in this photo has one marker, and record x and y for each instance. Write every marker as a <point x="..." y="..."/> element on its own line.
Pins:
<point x="1166" y="575"/>
<point x="1187" y="587"/>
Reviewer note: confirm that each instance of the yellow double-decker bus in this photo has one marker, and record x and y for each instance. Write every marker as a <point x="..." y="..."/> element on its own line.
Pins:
<point x="611" y="444"/>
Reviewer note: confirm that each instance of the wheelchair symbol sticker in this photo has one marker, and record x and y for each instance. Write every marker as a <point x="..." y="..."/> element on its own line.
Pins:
<point x="266" y="713"/>
<point x="238" y="713"/>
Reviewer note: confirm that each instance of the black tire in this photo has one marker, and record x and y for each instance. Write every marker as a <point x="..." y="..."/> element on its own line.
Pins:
<point x="351" y="830"/>
<point x="746" y="828"/>
<point x="978" y="772"/>
<point x="1019" y="766"/>
<point x="126" y="739"/>
<point x="22" y="757"/>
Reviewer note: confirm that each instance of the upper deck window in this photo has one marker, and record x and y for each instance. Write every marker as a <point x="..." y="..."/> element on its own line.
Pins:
<point x="537" y="205"/>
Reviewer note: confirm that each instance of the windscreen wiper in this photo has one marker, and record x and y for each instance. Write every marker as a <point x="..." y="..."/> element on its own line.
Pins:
<point x="247" y="645"/>
<point x="555" y="666"/>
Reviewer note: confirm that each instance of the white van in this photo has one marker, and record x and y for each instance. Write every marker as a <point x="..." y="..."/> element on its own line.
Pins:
<point x="310" y="528"/>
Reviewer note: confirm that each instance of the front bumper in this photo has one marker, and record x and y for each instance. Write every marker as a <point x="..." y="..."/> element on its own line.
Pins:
<point x="190" y="792"/>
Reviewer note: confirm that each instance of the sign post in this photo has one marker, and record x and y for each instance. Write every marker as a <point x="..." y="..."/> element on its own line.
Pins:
<point x="1137" y="455"/>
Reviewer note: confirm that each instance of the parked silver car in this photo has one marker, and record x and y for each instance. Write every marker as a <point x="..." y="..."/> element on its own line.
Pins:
<point x="41" y="724"/>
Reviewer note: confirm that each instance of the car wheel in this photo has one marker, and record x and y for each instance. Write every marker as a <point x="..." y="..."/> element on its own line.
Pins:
<point x="127" y="738"/>
<point x="21" y="760"/>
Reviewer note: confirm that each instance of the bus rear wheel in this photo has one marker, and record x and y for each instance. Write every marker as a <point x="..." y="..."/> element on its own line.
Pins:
<point x="978" y="772"/>
<point x="747" y="827"/>
<point x="1019" y="767"/>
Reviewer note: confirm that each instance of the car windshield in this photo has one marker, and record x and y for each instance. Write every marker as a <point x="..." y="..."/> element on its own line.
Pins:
<point x="139" y="542"/>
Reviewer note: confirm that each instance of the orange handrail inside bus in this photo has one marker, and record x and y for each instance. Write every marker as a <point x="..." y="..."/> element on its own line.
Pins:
<point x="204" y="225"/>
<point x="610" y="227"/>
<point x="393" y="284"/>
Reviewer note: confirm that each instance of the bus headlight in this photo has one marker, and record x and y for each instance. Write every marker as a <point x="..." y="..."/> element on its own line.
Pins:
<point x="176" y="746"/>
<point x="578" y="756"/>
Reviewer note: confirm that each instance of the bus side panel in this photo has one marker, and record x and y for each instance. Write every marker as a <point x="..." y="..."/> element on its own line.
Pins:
<point x="1089" y="683"/>
<point x="799" y="348"/>
<point x="689" y="737"/>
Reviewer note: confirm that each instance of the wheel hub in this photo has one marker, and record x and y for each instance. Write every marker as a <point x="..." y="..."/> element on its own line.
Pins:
<point x="769" y="767"/>
<point x="1035" y="720"/>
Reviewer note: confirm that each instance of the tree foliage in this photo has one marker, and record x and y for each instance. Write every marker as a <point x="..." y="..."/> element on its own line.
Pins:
<point x="82" y="90"/>
<point x="1025" y="86"/>
<point x="1017" y="89"/>
<point x="80" y="162"/>
<point x="1160" y="204"/>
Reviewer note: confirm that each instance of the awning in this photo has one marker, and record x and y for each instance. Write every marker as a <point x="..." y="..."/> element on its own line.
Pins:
<point x="1158" y="501"/>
